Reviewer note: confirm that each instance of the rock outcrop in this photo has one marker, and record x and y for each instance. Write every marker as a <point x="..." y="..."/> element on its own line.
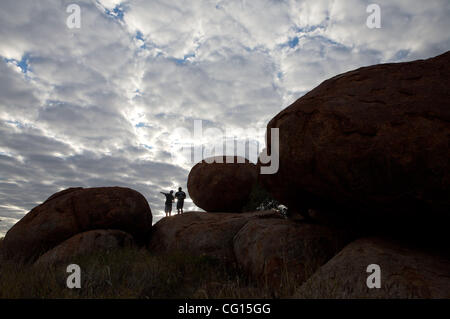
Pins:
<point x="222" y="187"/>
<point x="405" y="273"/>
<point x="74" y="211"/>
<point x="373" y="141"/>
<point x="85" y="243"/>
<point x="264" y="245"/>
<point x="277" y="249"/>
<point x="199" y="233"/>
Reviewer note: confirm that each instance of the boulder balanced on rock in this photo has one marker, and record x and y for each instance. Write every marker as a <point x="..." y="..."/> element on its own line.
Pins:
<point x="222" y="187"/>
<point x="74" y="211"/>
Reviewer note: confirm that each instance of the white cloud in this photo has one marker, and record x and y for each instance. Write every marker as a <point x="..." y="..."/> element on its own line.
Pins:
<point x="96" y="106"/>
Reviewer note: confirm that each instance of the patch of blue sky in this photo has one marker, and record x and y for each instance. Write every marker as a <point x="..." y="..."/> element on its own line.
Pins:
<point x="147" y="146"/>
<point x="15" y="123"/>
<point x="116" y="13"/>
<point x="310" y="28"/>
<point x="23" y="64"/>
<point x="184" y="59"/>
<point x="142" y="124"/>
<point x="139" y="36"/>
<point x="302" y="32"/>
<point x="292" y="43"/>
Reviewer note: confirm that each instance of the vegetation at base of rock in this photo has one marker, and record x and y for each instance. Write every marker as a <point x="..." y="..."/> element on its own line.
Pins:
<point x="134" y="273"/>
<point x="259" y="199"/>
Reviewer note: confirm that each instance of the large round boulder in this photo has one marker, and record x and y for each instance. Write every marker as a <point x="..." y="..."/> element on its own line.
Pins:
<point x="375" y="268"/>
<point x="374" y="140"/>
<point x="92" y="241"/>
<point x="73" y="211"/>
<point x="222" y="184"/>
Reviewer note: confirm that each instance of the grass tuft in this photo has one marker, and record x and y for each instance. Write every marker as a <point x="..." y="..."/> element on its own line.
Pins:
<point x="136" y="273"/>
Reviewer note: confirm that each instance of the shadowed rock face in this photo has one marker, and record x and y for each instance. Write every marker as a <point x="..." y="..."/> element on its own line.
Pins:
<point x="199" y="233"/>
<point x="405" y="273"/>
<point x="86" y="243"/>
<point x="222" y="187"/>
<point x="74" y="211"/>
<point x="264" y="245"/>
<point x="272" y="248"/>
<point x="374" y="141"/>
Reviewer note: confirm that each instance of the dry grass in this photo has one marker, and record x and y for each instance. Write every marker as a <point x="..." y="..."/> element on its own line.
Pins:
<point x="133" y="273"/>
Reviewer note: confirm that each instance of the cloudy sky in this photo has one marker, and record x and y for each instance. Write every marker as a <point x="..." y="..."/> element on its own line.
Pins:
<point x="98" y="105"/>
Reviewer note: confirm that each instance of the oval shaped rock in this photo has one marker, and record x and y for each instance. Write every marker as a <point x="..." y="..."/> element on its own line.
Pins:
<point x="73" y="211"/>
<point x="222" y="187"/>
<point x="85" y="243"/>
<point x="374" y="140"/>
<point x="402" y="273"/>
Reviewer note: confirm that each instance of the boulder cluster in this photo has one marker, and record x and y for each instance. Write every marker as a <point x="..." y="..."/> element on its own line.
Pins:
<point x="368" y="152"/>
<point x="79" y="220"/>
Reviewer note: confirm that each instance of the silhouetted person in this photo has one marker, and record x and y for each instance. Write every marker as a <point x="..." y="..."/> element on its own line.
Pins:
<point x="168" y="204"/>
<point x="180" y="196"/>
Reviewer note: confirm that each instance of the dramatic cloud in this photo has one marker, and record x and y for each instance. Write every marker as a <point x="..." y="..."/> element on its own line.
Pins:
<point x="99" y="105"/>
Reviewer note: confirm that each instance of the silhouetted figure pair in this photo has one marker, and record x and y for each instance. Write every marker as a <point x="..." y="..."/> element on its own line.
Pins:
<point x="180" y="196"/>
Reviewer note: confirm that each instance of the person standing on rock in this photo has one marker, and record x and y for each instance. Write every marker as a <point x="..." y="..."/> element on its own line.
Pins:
<point x="180" y="196"/>
<point x="168" y="205"/>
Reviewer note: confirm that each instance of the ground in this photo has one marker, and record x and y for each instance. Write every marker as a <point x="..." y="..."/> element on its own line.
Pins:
<point x="136" y="273"/>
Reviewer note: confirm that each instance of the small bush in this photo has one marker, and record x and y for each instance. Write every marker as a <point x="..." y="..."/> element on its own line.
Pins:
<point x="259" y="199"/>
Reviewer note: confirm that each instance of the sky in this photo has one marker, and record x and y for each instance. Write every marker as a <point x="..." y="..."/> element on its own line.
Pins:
<point x="103" y="104"/>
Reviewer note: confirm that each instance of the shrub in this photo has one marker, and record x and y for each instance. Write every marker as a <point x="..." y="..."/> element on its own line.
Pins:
<point x="259" y="199"/>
